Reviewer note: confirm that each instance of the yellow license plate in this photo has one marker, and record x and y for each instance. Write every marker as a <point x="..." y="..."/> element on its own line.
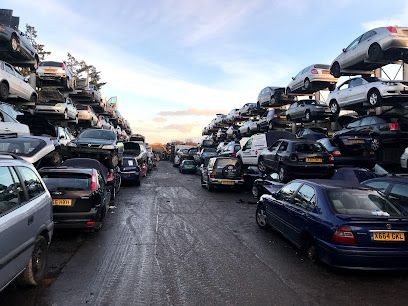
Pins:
<point x="314" y="160"/>
<point x="227" y="183"/>
<point x="325" y="71"/>
<point x="388" y="236"/>
<point x="356" y="141"/>
<point x="62" y="202"/>
<point x="282" y="117"/>
<point x="50" y="70"/>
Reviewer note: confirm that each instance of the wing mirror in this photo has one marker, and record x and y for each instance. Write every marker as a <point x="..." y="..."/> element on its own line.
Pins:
<point x="275" y="176"/>
<point x="344" y="49"/>
<point x="293" y="78"/>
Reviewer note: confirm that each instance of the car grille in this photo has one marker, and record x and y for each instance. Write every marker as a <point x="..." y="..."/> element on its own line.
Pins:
<point x="404" y="92"/>
<point x="90" y="145"/>
<point x="12" y="135"/>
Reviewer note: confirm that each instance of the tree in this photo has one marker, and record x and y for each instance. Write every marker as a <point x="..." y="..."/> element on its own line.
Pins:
<point x="31" y="34"/>
<point x="81" y="66"/>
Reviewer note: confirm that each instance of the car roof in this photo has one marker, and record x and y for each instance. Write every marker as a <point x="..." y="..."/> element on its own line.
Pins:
<point x="300" y="140"/>
<point x="395" y="179"/>
<point x="331" y="184"/>
<point x="62" y="169"/>
<point x="9" y="159"/>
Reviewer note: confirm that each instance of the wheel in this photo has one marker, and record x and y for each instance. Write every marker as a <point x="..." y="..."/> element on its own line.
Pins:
<point x="113" y="194"/>
<point x="375" y="144"/>
<point x="374" y="98"/>
<point x="66" y="115"/>
<point x="113" y="160"/>
<point x="4" y="91"/>
<point x="334" y="107"/>
<point x="308" y="116"/>
<point x="255" y="191"/>
<point x="261" y="217"/>
<point x="375" y="53"/>
<point x="283" y="174"/>
<point x="210" y="186"/>
<point x="14" y="43"/>
<point x="311" y="251"/>
<point x="307" y="85"/>
<point x="35" y="268"/>
<point x="332" y="87"/>
<point x="270" y="126"/>
<point x="33" y="98"/>
<point x="262" y="166"/>
<point x="335" y="70"/>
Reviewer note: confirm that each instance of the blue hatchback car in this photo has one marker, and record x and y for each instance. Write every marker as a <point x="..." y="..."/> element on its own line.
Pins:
<point x="342" y="226"/>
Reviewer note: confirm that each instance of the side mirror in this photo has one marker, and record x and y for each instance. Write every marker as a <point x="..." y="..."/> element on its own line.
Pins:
<point x="293" y="78"/>
<point x="344" y="49"/>
<point x="275" y="176"/>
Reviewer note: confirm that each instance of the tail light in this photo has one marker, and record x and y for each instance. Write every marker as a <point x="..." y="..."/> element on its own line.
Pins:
<point x="344" y="235"/>
<point x="88" y="108"/>
<point x="331" y="158"/>
<point x="110" y="176"/>
<point x="94" y="181"/>
<point x="371" y="152"/>
<point x="234" y="154"/>
<point x="63" y="66"/>
<point x="293" y="157"/>
<point x="394" y="126"/>
<point x="90" y="223"/>
<point x="314" y="71"/>
<point x="336" y="153"/>
<point x="392" y="29"/>
<point x="275" y="116"/>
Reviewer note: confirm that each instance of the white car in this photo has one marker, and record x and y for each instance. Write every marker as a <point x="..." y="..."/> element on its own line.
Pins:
<point x="11" y="127"/>
<point x="13" y="85"/>
<point x="251" y="148"/>
<point x="55" y="72"/>
<point x="367" y="91"/>
<point x="404" y="159"/>
<point x="66" y="109"/>
<point x="232" y="115"/>
<point x="312" y="78"/>
<point x="248" y="128"/>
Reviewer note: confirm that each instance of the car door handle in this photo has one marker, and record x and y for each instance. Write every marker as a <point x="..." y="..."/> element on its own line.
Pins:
<point x="30" y="220"/>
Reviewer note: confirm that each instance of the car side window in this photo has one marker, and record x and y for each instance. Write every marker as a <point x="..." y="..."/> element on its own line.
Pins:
<point x="378" y="185"/>
<point x="367" y="35"/>
<point x="11" y="195"/>
<point x="6" y="118"/>
<point x="356" y="82"/>
<point x="32" y="182"/>
<point x="286" y="192"/>
<point x="354" y="43"/>
<point x="9" y="69"/>
<point x="248" y="144"/>
<point x="399" y="192"/>
<point x="344" y="86"/>
<point x="306" y="197"/>
<point x="274" y="146"/>
<point x="283" y="147"/>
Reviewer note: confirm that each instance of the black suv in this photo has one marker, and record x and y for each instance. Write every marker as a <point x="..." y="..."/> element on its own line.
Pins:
<point x="375" y="131"/>
<point x="296" y="158"/>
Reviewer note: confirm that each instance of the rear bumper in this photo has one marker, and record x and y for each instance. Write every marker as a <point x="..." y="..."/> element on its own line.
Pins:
<point x="355" y="161"/>
<point x="226" y="182"/>
<point x="130" y="176"/>
<point x="325" y="170"/>
<point x="351" y="257"/>
<point x="75" y="219"/>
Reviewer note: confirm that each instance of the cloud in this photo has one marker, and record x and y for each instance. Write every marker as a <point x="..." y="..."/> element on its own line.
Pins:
<point x="190" y="112"/>
<point x="159" y="119"/>
<point x="399" y="20"/>
<point x="181" y="127"/>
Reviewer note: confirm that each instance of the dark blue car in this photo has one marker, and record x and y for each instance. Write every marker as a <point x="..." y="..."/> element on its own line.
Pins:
<point x="342" y="226"/>
<point x="130" y="170"/>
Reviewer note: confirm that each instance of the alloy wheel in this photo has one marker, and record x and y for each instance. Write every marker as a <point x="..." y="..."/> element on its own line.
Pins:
<point x="14" y="43"/>
<point x="373" y="99"/>
<point x="255" y="191"/>
<point x="261" y="217"/>
<point x="375" y="144"/>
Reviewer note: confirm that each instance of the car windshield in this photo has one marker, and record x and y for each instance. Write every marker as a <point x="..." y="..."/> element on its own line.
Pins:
<point x="188" y="162"/>
<point x="308" y="147"/>
<point x="66" y="181"/>
<point x="362" y="175"/>
<point x="50" y="64"/>
<point x="321" y="66"/>
<point x="22" y="146"/>
<point x="97" y="134"/>
<point x="362" y="203"/>
<point x="82" y="107"/>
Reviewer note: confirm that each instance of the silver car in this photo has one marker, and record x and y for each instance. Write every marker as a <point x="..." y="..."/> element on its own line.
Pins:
<point x="248" y="128"/>
<point x="65" y="109"/>
<point x="232" y="115"/>
<point x="26" y="225"/>
<point x="86" y="114"/>
<point x="307" y="110"/>
<point x="103" y="123"/>
<point x="247" y="110"/>
<point x="372" y="50"/>
<point x="367" y="91"/>
<point x="55" y="72"/>
<point x="311" y="79"/>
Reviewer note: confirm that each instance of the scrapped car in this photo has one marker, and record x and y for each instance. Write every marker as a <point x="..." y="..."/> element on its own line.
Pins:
<point x="86" y="114"/>
<point x="295" y="159"/>
<point x="311" y="79"/>
<point x="221" y="134"/>
<point x="80" y="196"/>
<point x="353" y="176"/>
<point x="273" y="118"/>
<point x="102" y="145"/>
<point x="230" y="149"/>
<point x="26" y="225"/>
<point x="343" y="157"/>
<point x="272" y="96"/>
<point x="362" y="92"/>
<point x="374" y="131"/>
<point x="135" y="149"/>
<point x="103" y="122"/>
<point x="206" y="153"/>
<point x="267" y="184"/>
<point x="404" y="159"/>
<point x="13" y="85"/>
<point x="222" y="171"/>
<point x="248" y="128"/>
<point x="331" y="222"/>
<point x="372" y="50"/>
<point x="130" y="170"/>
<point x="248" y="110"/>
<point x="307" y="111"/>
<point x="55" y="73"/>
<point x="55" y="108"/>
<point x="88" y="94"/>
<point x="232" y="115"/>
<point x="39" y="151"/>
<point x="314" y="133"/>
<point x="188" y="166"/>
<point x="16" y="48"/>
<point x="10" y="127"/>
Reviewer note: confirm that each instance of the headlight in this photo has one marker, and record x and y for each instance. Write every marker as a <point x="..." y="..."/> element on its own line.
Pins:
<point x="390" y="83"/>
<point x="71" y="144"/>
<point x="108" y="147"/>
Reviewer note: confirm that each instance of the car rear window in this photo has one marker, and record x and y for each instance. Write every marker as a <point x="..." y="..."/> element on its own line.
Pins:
<point x="129" y="162"/>
<point x="81" y="107"/>
<point x="209" y="150"/>
<point x="309" y="148"/>
<point x="320" y="66"/>
<point x="51" y="64"/>
<point x="188" y="162"/>
<point x="97" y="134"/>
<point x="362" y="203"/>
<point x="223" y="162"/>
<point x="66" y="181"/>
<point x="22" y="146"/>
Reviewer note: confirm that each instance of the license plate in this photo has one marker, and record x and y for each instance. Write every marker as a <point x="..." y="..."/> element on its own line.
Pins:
<point x="50" y="70"/>
<point x="388" y="236"/>
<point x="326" y="71"/>
<point x="62" y="202"/>
<point x="227" y="183"/>
<point x="356" y="141"/>
<point x="314" y="160"/>
<point x="282" y="117"/>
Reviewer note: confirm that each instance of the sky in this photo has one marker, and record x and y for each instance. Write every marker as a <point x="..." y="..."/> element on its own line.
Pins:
<point x="174" y="64"/>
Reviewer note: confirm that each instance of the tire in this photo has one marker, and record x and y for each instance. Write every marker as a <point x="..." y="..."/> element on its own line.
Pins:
<point x="4" y="91"/>
<point x="210" y="186"/>
<point x="283" y="174"/>
<point x="113" y="195"/>
<point x="311" y="252"/>
<point x="35" y="268"/>
<point x="308" y="116"/>
<point x="375" y="144"/>
<point x="375" y="53"/>
<point x="335" y="70"/>
<point x="260" y="217"/>
<point x="113" y="160"/>
<point x="255" y="192"/>
<point x="334" y="107"/>
<point x="14" y="43"/>
<point x="34" y="98"/>
<point x="374" y="98"/>
<point x="307" y="85"/>
<point x="261" y="166"/>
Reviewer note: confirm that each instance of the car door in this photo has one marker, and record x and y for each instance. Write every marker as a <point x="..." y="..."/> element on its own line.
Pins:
<point x="280" y="155"/>
<point x="9" y="125"/>
<point x="25" y="89"/>
<point x="342" y="94"/>
<point x="16" y="244"/>
<point x="350" y="55"/>
<point x="357" y="91"/>
<point x="364" y="45"/>
<point x="299" y="110"/>
<point x="269" y="154"/>
<point x="14" y="88"/>
<point x="291" y="109"/>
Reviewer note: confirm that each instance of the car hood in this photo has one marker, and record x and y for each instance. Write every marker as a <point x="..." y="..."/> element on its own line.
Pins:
<point x="94" y="141"/>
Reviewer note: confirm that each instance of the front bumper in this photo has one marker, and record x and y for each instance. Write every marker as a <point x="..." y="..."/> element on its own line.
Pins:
<point x="48" y="109"/>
